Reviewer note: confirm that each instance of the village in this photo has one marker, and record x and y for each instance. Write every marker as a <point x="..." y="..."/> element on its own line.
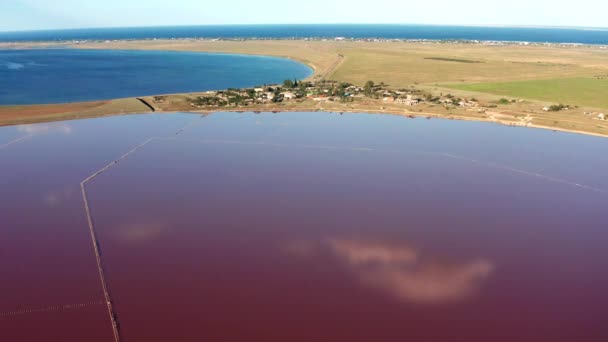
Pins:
<point x="294" y="92"/>
<point x="350" y="39"/>
<point x="319" y="92"/>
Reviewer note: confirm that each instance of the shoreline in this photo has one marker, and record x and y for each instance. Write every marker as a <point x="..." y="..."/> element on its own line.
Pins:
<point x="331" y="60"/>
<point x="68" y="116"/>
<point x="317" y="72"/>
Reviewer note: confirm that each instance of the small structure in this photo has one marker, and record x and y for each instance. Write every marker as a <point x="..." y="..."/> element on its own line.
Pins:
<point x="601" y="116"/>
<point x="289" y="95"/>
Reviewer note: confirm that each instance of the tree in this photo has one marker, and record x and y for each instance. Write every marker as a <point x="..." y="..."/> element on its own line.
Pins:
<point x="340" y="91"/>
<point x="288" y="84"/>
<point x="369" y="88"/>
<point x="557" y="108"/>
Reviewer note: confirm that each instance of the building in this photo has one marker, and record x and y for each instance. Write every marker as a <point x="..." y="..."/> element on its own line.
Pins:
<point x="289" y="95"/>
<point x="409" y="101"/>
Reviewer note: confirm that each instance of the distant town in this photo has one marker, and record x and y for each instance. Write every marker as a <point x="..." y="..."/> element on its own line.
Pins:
<point x="349" y="39"/>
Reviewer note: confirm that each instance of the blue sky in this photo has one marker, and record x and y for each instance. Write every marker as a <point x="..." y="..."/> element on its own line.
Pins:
<point x="51" y="14"/>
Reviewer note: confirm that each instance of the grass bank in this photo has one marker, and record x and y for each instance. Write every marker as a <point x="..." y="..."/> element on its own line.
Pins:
<point x="579" y="91"/>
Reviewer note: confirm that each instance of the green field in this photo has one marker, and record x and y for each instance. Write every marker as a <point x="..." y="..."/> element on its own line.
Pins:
<point x="572" y="91"/>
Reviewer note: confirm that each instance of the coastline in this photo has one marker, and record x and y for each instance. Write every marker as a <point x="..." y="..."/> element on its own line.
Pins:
<point x="320" y="69"/>
<point x="121" y="107"/>
<point x="330" y="60"/>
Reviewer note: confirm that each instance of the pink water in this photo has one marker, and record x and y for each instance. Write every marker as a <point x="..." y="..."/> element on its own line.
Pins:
<point x="305" y="227"/>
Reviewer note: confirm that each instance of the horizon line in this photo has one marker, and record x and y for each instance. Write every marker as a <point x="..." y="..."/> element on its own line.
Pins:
<point x="582" y="28"/>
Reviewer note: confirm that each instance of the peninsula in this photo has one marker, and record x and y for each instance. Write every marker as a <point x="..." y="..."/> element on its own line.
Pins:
<point x="554" y="86"/>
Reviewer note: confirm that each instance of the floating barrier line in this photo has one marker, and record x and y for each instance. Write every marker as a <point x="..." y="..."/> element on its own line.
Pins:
<point x="189" y="125"/>
<point x="55" y="308"/>
<point x="95" y="241"/>
<point x="366" y="149"/>
<point x="116" y="161"/>
<point x="102" y="278"/>
<point x="524" y="172"/>
<point x="15" y="141"/>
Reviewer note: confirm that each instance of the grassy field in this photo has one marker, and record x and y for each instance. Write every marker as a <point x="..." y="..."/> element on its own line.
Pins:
<point x="404" y="64"/>
<point x="573" y="91"/>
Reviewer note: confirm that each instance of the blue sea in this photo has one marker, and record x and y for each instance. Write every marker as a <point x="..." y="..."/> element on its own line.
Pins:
<point x="71" y="75"/>
<point x="432" y="32"/>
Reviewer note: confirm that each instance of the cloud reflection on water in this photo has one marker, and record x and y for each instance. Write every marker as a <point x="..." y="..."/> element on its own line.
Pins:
<point x="401" y="271"/>
<point x="37" y="129"/>
<point x="59" y="197"/>
<point x="141" y="231"/>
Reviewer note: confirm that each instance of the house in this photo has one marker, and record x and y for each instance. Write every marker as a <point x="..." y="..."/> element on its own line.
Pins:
<point x="258" y="90"/>
<point x="467" y="104"/>
<point x="601" y="116"/>
<point x="409" y="102"/>
<point x="289" y="95"/>
<point x="389" y="99"/>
